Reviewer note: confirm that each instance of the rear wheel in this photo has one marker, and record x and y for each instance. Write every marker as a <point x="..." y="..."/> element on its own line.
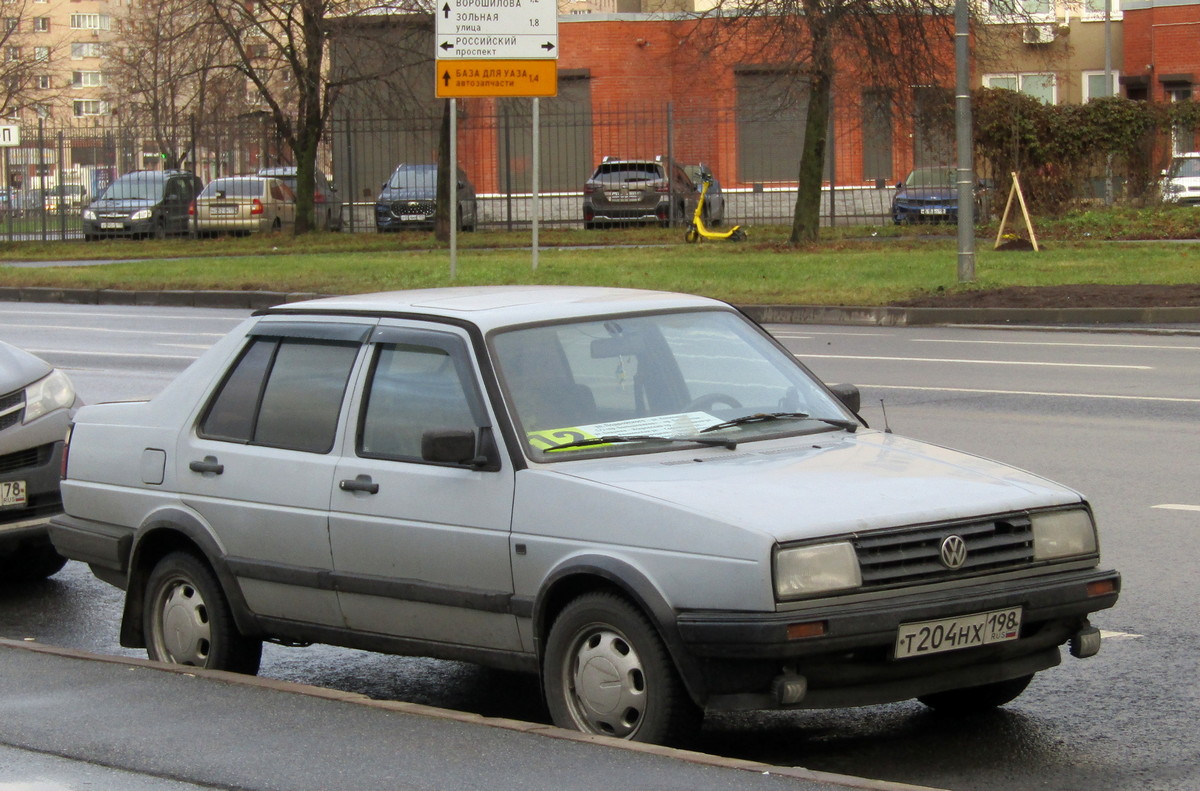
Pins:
<point x="188" y="620"/>
<point x="606" y="671"/>
<point x="31" y="563"/>
<point x="976" y="699"/>
<point x="738" y="235"/>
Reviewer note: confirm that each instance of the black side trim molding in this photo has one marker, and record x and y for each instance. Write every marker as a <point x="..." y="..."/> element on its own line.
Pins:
<point x="402" y="589"/>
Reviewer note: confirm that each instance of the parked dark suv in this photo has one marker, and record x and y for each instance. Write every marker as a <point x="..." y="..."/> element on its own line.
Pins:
<point x="142" y="203"/>
<point x="408" y="200"/>
<point x="638" y="191"/>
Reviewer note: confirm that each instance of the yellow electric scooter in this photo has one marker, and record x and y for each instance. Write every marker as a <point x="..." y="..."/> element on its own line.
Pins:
<point x="696" y="231"/>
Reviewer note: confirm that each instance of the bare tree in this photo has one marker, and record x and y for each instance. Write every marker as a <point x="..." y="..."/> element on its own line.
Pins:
<point x="23" y="59"/>
<point x="164" y="69"/>
<point x="892" y="45"/>
<point x="280" y="47"/>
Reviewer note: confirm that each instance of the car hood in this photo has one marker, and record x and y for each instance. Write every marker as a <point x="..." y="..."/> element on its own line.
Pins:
<point x="818" y="485"/>
<point x="19" y="368"/>
<point x="408" y="194"/>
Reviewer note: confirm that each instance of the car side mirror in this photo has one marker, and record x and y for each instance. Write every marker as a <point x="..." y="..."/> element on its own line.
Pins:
<point x="451" y="446"/>
<point x="899" y="184"/>
<point x="848" y="395"/>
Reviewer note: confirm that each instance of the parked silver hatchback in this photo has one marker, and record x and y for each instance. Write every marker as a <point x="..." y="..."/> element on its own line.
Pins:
<point x="640" y="496"/>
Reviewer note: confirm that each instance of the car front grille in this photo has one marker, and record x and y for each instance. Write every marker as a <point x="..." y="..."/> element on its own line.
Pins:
<point x="407" y="208"/>
<point x="24" y="459"/>
<point x="12" y="408"/>
<point x="913" y="555"/>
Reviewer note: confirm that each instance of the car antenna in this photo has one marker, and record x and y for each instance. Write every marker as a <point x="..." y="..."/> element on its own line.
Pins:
<point x="887" y="429"/>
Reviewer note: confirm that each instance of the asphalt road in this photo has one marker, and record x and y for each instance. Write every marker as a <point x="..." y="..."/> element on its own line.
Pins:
<point x="1113" y="414"/>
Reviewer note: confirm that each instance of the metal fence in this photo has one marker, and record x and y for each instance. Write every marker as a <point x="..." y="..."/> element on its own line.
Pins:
<point x="52" y="173"/>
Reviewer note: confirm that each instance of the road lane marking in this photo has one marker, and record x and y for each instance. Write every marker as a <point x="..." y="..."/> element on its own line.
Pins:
<point x="1119" y="635"/>
<point x="58" y="352"/>
<point x="804" y="356"/>
<point x="983" y="391"/>
<point x="194" y="314"/>
<point x="81" y="328"/>
<point x="1059" y="343"/>
<point x="1177" y="507"/>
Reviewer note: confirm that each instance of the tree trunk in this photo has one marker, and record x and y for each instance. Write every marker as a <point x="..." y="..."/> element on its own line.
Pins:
<point x="806" y="221"/>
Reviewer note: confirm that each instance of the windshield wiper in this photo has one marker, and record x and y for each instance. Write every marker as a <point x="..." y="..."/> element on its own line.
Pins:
<point x="617" y="438"/>
<point x="761" y="417"/>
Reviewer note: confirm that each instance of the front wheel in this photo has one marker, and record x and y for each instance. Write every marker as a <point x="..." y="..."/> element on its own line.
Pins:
<point x="692" y="234"/>
<point x="738" y="235"/>
<point x="606" y="671"/>
<point x="188" y="620"/>
<point x="976" y="699"/>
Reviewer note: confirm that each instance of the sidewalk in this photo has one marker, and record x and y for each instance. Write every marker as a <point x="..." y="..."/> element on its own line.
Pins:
<point x="185" y="727"/>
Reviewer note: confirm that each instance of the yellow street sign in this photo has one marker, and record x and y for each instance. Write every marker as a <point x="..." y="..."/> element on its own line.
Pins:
<point x="458" y="79"/>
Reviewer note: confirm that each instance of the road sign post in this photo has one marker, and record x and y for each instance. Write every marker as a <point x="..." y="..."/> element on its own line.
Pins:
<point x="493" y="49"/>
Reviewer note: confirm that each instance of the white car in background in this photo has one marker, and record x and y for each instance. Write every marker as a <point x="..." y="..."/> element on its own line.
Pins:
<point x="1181" y="181"/>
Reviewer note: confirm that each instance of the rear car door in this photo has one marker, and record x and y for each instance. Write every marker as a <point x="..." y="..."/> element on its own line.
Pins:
<point x="258" y="463"/>
<point x="421" y="548"/>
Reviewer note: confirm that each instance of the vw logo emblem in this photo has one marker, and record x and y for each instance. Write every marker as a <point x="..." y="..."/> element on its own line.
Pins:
<point x="953" y="552"/>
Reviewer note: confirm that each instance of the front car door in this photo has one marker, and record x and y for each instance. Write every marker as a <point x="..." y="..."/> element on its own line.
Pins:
<point x="421" y="548"/>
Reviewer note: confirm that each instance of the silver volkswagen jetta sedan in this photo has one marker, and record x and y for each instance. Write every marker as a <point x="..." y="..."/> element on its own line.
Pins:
<point x="640" y="496"/>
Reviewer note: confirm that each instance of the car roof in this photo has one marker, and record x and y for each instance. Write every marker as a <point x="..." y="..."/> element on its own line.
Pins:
<point x="494" y="307"/>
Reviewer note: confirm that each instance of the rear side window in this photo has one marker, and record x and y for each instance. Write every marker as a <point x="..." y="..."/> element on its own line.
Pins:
<point x="283" y="392"/>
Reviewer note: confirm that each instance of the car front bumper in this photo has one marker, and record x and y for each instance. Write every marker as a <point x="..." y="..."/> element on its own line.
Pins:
<point x="741" y="657"/>
<point x="39" y="468"/>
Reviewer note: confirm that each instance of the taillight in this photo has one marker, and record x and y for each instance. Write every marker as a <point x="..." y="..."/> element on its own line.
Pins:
<point x="662" y="188"/>
<point x="66" y="450"/>
<point x="192" y="209"/>
<point x="319" y="197"/>
<point x="588" y="189"/>
<point x="257" y="208"/>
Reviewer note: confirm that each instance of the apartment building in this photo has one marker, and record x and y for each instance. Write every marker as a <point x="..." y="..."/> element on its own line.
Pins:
<point x="58" y="47"/>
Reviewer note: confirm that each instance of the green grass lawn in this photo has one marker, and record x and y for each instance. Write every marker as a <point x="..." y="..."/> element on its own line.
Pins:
<point x="851" y="267"/>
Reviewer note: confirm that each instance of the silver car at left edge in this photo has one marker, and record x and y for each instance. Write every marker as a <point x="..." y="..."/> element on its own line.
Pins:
<point x="36" y="404"/>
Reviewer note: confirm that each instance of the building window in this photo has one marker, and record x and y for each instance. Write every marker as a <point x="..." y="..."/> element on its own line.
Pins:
<point x="90" y="21"/>
<point x="41" y="54"/>
<point x="11" y="23"/>
<point x="1093" y="10"/>
<point x="43" y="82"/>
<point x="1093" y="85"/>
<point x="12" y="53"/>
<point x="83" y="107"/>
<point x="41" y="24"/>
<point x="1040" y="86"/>
<point x="87" y="79"/>
<point x="1015" y="11"/>
<point x="87" y="49"/>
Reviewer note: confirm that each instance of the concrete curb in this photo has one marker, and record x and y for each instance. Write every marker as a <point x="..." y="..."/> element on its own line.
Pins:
<point x="884" y="316"/>
<point x="421" y="710"/>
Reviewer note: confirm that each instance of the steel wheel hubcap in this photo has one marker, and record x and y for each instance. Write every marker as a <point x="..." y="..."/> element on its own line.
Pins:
<point x="607" y="684"/>
<point x="186" y="634"/>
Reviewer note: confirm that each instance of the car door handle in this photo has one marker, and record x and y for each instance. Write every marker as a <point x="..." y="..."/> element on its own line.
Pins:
<point x="209" y="464"/>
<point x="362" y="483"/>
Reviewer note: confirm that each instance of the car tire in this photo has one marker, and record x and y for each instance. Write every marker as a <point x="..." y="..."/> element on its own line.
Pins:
<point x="31" y="563"/>
<point x="976" y="699"/>
<point x="160" y="230"/>
<point x="188" y="620"/>
<point x="606" y="671"/>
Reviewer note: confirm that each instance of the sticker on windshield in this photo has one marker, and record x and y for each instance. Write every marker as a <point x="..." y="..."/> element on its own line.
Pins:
<point x="678" y="425"/>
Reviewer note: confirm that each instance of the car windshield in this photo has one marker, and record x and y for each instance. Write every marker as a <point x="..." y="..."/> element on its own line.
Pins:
<point x="234" y="188"/>
<point x="644" y="383"/>
<point x="414" y="177"/>
<point x="625" y="172"/>
<point x="931" y="177"/>
<point x="137" y="188"/>
<point x="1185" y="168"/>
